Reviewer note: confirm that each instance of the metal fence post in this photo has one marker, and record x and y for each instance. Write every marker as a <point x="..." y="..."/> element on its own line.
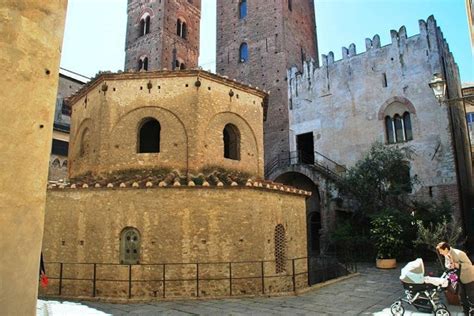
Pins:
<point x="197" y="279"/>
<point x="164" y="280"/>
<point x="294" y="277"/>
<point x="129" y="281"/>
<point x="263" y="278"/>
<point x="60" y="277"/>
<point x="230" y="278"/>
<point x="94" y="280"/>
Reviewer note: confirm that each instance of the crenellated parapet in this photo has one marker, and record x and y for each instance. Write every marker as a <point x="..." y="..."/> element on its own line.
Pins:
<point x="429" y="40"/>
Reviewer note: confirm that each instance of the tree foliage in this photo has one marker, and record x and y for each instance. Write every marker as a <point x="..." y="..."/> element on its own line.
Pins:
<point x="380" y="180"/>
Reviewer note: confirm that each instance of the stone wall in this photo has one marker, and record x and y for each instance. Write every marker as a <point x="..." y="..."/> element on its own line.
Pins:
<point x="30" y="45"/>
<point x="214" y="225"/>
<point x="344" y="102"/>
<point x="107" y="114"/>
<point x="159" y="43"/>
<point x="277" y="39"/>
<point x="67" y="86"/>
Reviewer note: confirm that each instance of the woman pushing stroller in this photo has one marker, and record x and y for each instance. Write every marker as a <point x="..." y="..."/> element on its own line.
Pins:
<point x="457" y="259"/>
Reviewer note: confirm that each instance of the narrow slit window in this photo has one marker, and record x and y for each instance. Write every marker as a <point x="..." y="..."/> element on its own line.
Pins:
<point x="389" y="129"/>
<point x="243" y="53"/>
<point x="407" y="126"/>
<point x="399" y="134"/>
<point x="242" y="9"/>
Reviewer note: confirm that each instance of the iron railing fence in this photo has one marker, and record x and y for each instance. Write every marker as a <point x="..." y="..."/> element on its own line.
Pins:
<point x="317" y="160"/>
<point x="329" y="266"/>
<point x="293" y="273"/>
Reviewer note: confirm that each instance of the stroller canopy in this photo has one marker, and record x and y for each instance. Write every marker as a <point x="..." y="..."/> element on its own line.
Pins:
<point x="413" y="272"/>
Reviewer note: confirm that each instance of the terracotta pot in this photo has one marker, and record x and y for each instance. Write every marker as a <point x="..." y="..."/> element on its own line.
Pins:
<point x="386" y="263"/>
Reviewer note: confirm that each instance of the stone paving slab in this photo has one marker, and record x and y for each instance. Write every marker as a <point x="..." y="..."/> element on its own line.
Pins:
<point x="370" y="293"/>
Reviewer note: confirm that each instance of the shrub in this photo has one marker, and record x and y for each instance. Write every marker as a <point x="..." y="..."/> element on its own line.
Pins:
<point x="386" y="234"/>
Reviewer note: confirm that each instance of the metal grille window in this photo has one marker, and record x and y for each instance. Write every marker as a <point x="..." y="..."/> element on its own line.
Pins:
<point x="130" y="246"/>
<point x="280" y="249"/>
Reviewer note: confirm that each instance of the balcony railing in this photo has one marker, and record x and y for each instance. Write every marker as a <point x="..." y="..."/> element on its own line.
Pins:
<point x="316" y="159"/>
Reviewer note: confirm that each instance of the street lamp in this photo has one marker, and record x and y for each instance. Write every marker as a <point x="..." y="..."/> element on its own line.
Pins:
<point x="439" y="87"/>
<point x="438" y="84"/>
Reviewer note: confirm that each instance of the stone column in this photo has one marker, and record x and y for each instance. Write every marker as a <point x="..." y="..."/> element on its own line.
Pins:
<point x="31" y="34"/>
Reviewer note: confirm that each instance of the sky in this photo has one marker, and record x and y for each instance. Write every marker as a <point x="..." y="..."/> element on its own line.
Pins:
<point x="94" y="37"/>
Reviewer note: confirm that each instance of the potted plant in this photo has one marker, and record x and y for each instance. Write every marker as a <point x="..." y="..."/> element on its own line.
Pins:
<point x="386" y="234"/>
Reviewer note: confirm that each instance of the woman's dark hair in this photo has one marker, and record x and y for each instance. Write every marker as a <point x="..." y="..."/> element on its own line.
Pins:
<point x="443" y="245"/>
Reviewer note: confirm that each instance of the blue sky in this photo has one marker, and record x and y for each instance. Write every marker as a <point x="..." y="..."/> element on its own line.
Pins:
<point x="94" y="38"/>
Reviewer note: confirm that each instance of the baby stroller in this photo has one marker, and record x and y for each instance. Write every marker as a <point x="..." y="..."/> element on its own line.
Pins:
<point x="421" y="291"/>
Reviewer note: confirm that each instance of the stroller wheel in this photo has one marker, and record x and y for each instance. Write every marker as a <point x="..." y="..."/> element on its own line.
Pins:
<point x="397" y="309"/>
<point x="442" y="311"/>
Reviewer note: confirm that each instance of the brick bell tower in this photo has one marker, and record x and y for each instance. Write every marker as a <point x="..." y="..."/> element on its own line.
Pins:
<point x="162" y="34"/>
<point x="257" y="41"/>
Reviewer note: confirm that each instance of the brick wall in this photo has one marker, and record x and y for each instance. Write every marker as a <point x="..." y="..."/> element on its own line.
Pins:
<point x="159" y="43"/>
<point x="276" y="38"/>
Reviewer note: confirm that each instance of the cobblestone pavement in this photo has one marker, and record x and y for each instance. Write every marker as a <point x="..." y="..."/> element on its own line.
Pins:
<point x="370" y="293"/>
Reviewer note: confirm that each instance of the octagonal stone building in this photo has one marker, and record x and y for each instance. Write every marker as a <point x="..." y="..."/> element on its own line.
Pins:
<point x="186" y="111"/>
<point x="166" y="196"/>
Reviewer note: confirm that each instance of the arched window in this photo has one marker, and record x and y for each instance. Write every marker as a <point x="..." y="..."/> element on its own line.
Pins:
<point x="142" y="27"/>
<point x="184" y="30"/>
<point x="181" y="28"/>
<point x="65" y="164"/>
<point x="389" y="129"/>
<point x="280" y="249"/>
<point x="56" y="163"/>
<point x="242" y="9"/>
<point x="178" y="27"/>
<point x="85" y="143"/>
<point x="407" y="126"/>
<point x="143" y="64"/>
<point x="231" y="137"/>
<point x="397" y="113"/>
<point x="130" y="246"/>
<point x="290" y="5"/>
<point x="149" y="136"/>
<point x="182" y="66"/>
<point x="399" y="133"/>
<point x="145" y="25"/>
<point x="243" y="53"/>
